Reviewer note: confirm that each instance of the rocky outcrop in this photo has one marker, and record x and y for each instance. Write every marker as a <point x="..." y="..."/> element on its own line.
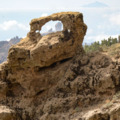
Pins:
<point x="7" y="114"/>
<point x="35" y="50"/>
<point x="109" y="111"/>
<point x="51" y="78"/>
<point x="58" y="26"/>
<point x="4" y="47"/>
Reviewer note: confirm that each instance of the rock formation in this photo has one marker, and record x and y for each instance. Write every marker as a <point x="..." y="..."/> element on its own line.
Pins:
<point x="51" y="78"/>
<point x="58" y="26"/>
<point x="35" y="50"/>
<point x="4" y="47"/>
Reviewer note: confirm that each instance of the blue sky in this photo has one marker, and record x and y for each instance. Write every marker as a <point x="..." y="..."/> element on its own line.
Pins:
<point x="101" y="16"/>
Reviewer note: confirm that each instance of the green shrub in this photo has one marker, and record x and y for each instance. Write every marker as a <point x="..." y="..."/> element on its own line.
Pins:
<point x="97" y="46"/>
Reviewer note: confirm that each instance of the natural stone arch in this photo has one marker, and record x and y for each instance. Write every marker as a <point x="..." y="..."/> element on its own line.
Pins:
<point x="55" y="26"/>
<point x="36" y="50"/>
<point x="71" y="21"/>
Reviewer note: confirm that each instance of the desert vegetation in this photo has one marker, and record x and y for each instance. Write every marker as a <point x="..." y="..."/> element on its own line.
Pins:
<point x="100" y="46"/>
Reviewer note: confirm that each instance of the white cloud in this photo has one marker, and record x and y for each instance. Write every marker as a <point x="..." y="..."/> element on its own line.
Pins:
<point x="8" y="39"/>
<point x="115" y="19"/>
<point x="8" y="25"/>
<point x="99" y="37"/>
<point x="48" y="27"/>
<point x="89" y="31"/>
<point x="44" y="14"/>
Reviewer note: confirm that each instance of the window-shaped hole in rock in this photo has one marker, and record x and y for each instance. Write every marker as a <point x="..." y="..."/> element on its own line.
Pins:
<point x="51" y="27"/>
<point x="37" y="31"/>
<point x="69" y="30"/>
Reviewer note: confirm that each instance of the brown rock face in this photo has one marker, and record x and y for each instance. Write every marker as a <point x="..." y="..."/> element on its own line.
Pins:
<point x="35" y="50"/>
<point x="7" y="114"/>
<point x="51" y="78"/>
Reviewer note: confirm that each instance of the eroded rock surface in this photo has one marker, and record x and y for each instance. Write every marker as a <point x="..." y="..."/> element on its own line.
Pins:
<point x="7" y="114"/>
<point x="51" y="78"/>
<point x="35" y="50"/>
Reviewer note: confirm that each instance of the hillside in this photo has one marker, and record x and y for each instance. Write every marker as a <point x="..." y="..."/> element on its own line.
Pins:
<point x="110" y="47"/>
<point x="112" y="50"/>
<point x="52" y="78"/>
<point x="4" y="47"/>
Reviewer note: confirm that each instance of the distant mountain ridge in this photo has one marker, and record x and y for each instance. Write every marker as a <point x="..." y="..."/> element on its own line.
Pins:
<point x="58" y="27"/>
<point x="96" y="4"/>
<point x="4" y="47"/>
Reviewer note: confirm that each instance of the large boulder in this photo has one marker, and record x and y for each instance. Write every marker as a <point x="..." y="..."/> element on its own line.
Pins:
<point x="42" y="51"/>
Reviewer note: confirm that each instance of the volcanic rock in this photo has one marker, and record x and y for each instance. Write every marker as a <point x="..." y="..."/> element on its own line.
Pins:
<point x="36" y="50"/>
<point x="52" y="78"/>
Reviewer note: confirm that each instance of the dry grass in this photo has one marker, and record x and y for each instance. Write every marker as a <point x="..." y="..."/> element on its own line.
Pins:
<point x="112" y="50"/>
